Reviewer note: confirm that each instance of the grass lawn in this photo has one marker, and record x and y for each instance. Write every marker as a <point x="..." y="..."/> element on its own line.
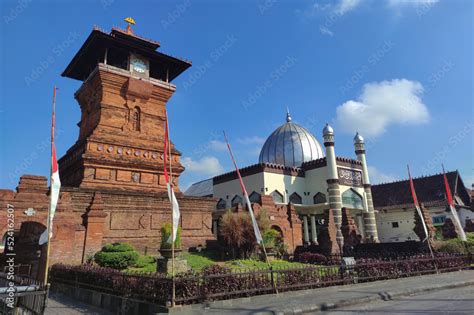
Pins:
<point x="197" y="261"/>
<point x="250" y="264"/>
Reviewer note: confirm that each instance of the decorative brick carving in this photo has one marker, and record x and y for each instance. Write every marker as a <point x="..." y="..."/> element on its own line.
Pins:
<point x="327" y="236"/>
<point x="418" y="229"/>
<point x="349" y="229"/>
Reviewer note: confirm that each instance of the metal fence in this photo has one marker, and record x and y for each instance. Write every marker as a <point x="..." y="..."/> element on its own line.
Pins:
<point x="25" y="294"/>
<point x="222" y="284"/>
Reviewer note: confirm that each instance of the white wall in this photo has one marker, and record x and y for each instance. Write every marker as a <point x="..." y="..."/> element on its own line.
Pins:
<point x="316" y="182"/>
<point x="404" y="232"/>
<point x="282" y="183"/>
<point x="406" y="222"/>
<point x="465" y="214"/>
<point x="231" y="188"/>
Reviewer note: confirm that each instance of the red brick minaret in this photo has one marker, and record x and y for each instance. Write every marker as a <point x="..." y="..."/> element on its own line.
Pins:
<point x="126" y="85"/>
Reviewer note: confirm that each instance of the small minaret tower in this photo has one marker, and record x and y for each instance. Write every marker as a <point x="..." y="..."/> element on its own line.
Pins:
<point x="370" y="226"/>
<point x="334" y="193"/>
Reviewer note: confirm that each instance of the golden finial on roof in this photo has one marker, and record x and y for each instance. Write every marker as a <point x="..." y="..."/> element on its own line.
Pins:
<point x="130" y="21"/>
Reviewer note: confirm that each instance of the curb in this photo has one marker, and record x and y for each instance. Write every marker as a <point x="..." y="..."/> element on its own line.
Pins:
<point x="381" y="296"/>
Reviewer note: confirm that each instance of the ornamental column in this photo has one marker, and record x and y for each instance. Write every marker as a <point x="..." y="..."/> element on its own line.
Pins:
<point x="314" y="235"/>
<point x="334" y="193"/>
<point x="370" y="226"/>
<point x="305" y="229"/>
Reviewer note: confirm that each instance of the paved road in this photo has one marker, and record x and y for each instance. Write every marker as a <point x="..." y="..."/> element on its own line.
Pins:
<point x="59" y="304"/>
<point x="312" y="300"/>
<point x="450" y="301"/>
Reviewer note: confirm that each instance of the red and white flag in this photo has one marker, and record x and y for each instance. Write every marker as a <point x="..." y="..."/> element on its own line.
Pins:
<point x="454" y="213"/>
<point x="174" y="202"/>
<point x="256" y="230"/>
<point x="415" y="201"/>
<point x="55" y="182"/>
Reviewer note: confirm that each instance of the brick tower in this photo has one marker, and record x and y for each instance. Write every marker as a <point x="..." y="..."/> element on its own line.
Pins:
<point x="126" y="85"/>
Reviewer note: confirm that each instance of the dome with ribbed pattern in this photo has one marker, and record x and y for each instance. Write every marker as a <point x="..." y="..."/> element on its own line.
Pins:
<point x="290" y="145"/>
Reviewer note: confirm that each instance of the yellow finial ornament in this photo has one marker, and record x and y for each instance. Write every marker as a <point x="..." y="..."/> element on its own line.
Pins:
<point x="130" y="21"/>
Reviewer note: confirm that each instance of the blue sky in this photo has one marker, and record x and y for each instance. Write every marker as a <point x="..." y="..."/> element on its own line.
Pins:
<point x="399" y="71"/>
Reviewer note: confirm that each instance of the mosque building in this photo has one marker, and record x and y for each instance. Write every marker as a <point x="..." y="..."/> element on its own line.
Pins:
<point x="331" y="196"/>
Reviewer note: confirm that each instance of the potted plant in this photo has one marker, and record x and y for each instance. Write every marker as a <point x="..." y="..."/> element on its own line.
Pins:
<point x="165" y="247"/>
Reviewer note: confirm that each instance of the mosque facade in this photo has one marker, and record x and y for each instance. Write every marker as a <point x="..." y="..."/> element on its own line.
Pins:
<point x="330" y="195"/>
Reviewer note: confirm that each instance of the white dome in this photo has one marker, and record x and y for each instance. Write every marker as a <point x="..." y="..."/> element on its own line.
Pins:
<point x="290" y="145"/>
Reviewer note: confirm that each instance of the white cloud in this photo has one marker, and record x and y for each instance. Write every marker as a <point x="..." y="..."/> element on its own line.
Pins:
<point x="344" y="6"/>
<point x="377" y="177"/>
<point x="325" y="31"/>
<point x="217" y="145"/>
<point x="251" y="140"/>
<point x="396" y="3"/>
<point x="208" y="165"/>
<point x="382" y="104"/>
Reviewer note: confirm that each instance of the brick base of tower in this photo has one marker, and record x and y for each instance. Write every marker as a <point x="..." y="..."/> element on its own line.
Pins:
<point x="87" y="219"/>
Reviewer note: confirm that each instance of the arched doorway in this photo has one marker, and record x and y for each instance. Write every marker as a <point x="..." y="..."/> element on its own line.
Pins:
<point x="30" y="257"/>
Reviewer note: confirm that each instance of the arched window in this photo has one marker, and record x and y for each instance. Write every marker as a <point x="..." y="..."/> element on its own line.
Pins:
<point x="296" y="199"/>
<point x="351" y="199"/>
<point x="221" y="204"/>
<point x="319" y="198"/>
<point x="136" y="119"/>
<point x="277" y="197"/>
<point x="255" y="197"/>
<point x="236" y="200"/>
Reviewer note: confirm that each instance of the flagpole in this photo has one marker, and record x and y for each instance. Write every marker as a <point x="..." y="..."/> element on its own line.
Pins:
<point x="420" y="214"/>
<point x="449" y="197"/>
<point x="173" y="285"/>
<point x="249" y="205"/>
<point x="48" y="225"/>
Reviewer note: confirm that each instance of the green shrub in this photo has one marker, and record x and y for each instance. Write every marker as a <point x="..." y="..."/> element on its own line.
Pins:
<point x="117" y="247"/>
<point x="118" y="256"/>
<point x="269" y="238"/>
<point x="455" y="245"/>
<point x="166" y="234"/>
<point x="144" y="261"/>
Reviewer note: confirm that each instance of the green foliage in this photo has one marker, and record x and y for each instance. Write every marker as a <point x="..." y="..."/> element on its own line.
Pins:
<point x="263" y="220"/>
<point x="270" y="237"/>
<point x="257" y="264"/>
<point x="117" y="247"/>
<point x="117" y="256"/>
<point x="455" y="245"/>
<point x="166" y="234"/>
<point x="198" y="261"/>
<point x="144" y="261"/>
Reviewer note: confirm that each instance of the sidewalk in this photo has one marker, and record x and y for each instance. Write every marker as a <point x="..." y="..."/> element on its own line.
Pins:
<point x="298" y="302"/>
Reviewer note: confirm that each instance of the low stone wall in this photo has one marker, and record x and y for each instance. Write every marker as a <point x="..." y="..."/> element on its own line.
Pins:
<point x="109" y="302"/>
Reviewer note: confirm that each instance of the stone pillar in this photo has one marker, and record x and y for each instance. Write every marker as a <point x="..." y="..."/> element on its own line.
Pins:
<point x="94" y="220"/>
<point x="214" y="227"/>
<point x="370" y="225"/>
<point x="334" y="193"/>
<point x="314" y="234"/>
<point x="305" y="229"/>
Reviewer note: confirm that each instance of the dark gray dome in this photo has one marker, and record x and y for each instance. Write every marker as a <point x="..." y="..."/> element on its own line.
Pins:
<point x="290" y="145"/>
